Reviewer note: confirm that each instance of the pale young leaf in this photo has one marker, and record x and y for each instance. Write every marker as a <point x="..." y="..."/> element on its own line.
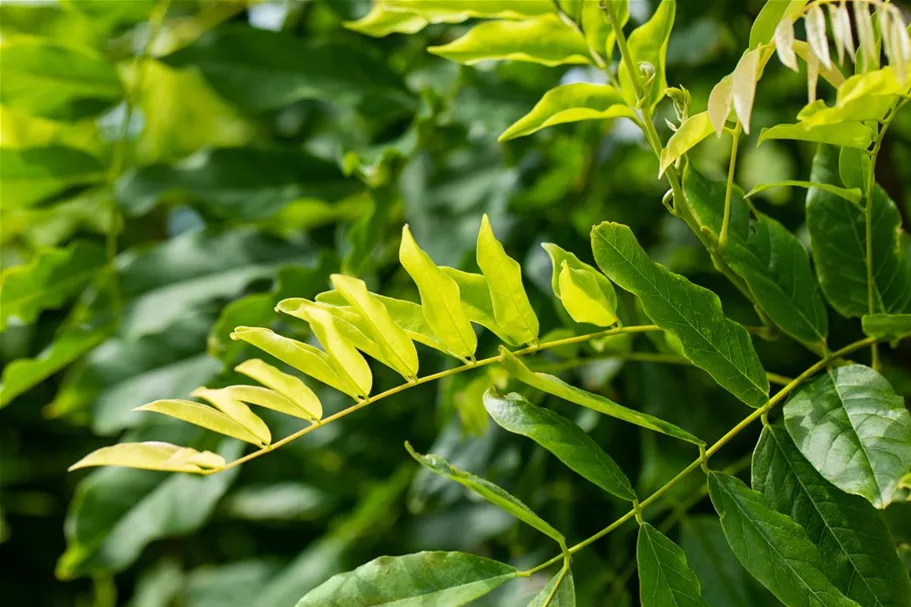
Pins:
<point x="784" y="44"/>
<point x="693" y="130"/>
<point x="204" y="417"/>
<point x="152" y="456"/>
<point x="838" y="35"/>
<point x="743" y="86"/>
<point x="289" y="386"/>
<point x="815" y="22"/>
<point x="222" y="400"/>
<point x="720" y="100"/>
<point x="585" y="299"/>
<point x="865" y="35"/>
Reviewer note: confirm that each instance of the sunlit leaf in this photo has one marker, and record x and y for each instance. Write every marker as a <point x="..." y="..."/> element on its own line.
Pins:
<point x="49" y="281"/>
<point x="770" y="17"/>
<point x="887" y="326"/>
<point x="31" y="175"/>
<point x="771" y="546"/>
<point x="477" y="303"/>
<point x="205" y="417"/>
<point x="852" y="426"/>
<point x="489" y="491"/>
<point x="743" y="86"/>
<point x="441" y="303"/>
<point x="863" y="97"/>
<point x="693" y="130"/>
<point x="854" y="135"/>
<point x="567" y="441"/>
<point x="839" y="245"/>
<point x="856" y="549"/>
<point x="545" y="40"/>
<point x="225" y="401"/>
<point x="648" y="44"/>
<point x="397" y="346"/>
<point x="511" y="308"/>
<point x="665" y="578"/>
<point x="152" y="456"/>
<point x="571" y="103"/>
<point x="585" y="298"/>
<point x="830" y="74"/>
<point x="442" y="579"/>
<point x="55" y="80"/>
<point x="721" y="100"/>
<point x="853" y="194"/>
<point x="554" y="385"/>
<point x="691" y="313"/>
<point x="381" y="21"/>
<point x="305" y="402"/>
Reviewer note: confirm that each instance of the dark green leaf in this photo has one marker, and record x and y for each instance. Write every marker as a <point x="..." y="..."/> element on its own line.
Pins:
<point x="236" y="183"/>
<point x="441" y="579"/>
<point x="488" y="491"/>
<point x="665" y="578"/>
<point x="31" y="175"/>
<point x="855" y="430"/>
<point x="557" y="387"/>
<point x="770" y="259"/>
<point x="49" y="281"/>
<point x="772" y="547"/>
<point x="858" y="554"/>
<point x="887" y="326"/>
<point x="561" y="437"/>
<point x="838" y="237"/>
<point x="689" y="312"/>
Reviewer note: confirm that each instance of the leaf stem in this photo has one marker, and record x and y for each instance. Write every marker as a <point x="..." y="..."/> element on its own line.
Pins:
<point x="714" y="448"/>
<point x="427" y="379"/>
<point x="729" y="188"/>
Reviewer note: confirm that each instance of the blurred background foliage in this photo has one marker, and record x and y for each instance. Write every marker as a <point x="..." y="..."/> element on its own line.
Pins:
<point x="173" y="169"/>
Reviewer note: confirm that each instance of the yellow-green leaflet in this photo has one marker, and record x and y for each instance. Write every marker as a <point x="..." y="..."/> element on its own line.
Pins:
<point x="571" y="103"/>
<point x="440" y="298"/>
<point x="287" y="385"/>
<point x="346" y="360"/>
<point x="584" y="299"/>
<point x="862" y="97"/>
<point x="511" y="307"/>
<point x="303" y="357"/>
<point x="693" y="130"/>
<point x="397" y="347"/>
<point x="456" y="11"/>
<point x="204" y="417"/>
<point x="236" y="410"/>
<point x="648" y="44"/>
<point x="720" y="100"/>
<point x="830" y="73"/>
<point x="477" y="303"/>
<point x="152" y="456"/>
<point x="270" y="399"/>
<point x="743" y="86"/>
<point x="852" y="134"/>
<point x="381" y="22"/>
<point x="544" y="39"/>
<point x="350" y="323"/>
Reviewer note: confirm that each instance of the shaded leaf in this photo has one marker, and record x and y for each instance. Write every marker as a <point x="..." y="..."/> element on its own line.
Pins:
<point x="442" y="579"/>
<point x="557" y="387"/>
<point x="771" y="546"/>
<point x="689" y="312"/>
<point x="854" y="429"/>
<point x="665" y="578"/>
<point x="566" y="440"/>
<point x="152" y="456"/>
<point x="489" y="491"/>
<point x="571" y="103"/>
<point x="544" y="39"/>
<point x="858" y="554"/>
<point x="31" y="175"/>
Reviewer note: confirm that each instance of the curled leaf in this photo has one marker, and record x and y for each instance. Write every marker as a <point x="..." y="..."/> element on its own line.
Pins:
<point x="784" y="44"/>
<point x="815" y="22"/>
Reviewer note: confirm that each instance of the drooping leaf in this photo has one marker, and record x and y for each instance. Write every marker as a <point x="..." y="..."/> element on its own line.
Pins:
<point x="770" y="259"/>
<point x="853" y="135"/>
<point x="117" y="512"/>
<point x="693" y="130"/>
<point x="887" y="326"/>
<point x="648" y="45"/>
<point x="665" y="578"/>
<point x="565" y="596"/>
<point x="31" y="175"/>
<point x="743" y="86"/>
<point x="689" y="312"/>
<point x="442" y="579"/>
<point x="152" y="456"/>
<point x="771" y="546"/>
<point x="721" y="100"/>
<point x="441" y="303"/>
<point x="260" y="70"/>
<point x="305" y="402"/>
<point x="204" y="417"/>
<point x="830" y="74"/>
<point x="49" y="281"/>
<point x="54" y="80"/>
<point x="235" y="183"/>
<point x="567" y="441"/>
<point x="557" y="387"/>
<point x="571" y="103"/>
<point x="815" y="22"/>
<point x="303" y="357"/>
<point x="852" y="426"/>
<point x="396" y="345"/>
<point x="858" y="554"/>
<point x="511" y="308"/>
<point x="544" y="39"/>
<point x="348" y="363"/>
<point x="584" y="297"/>
<point x="489" y="491"/>
<point x="770" y="16"/>
<point x="784" y="43"/>
<point x="839" y="245"/>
